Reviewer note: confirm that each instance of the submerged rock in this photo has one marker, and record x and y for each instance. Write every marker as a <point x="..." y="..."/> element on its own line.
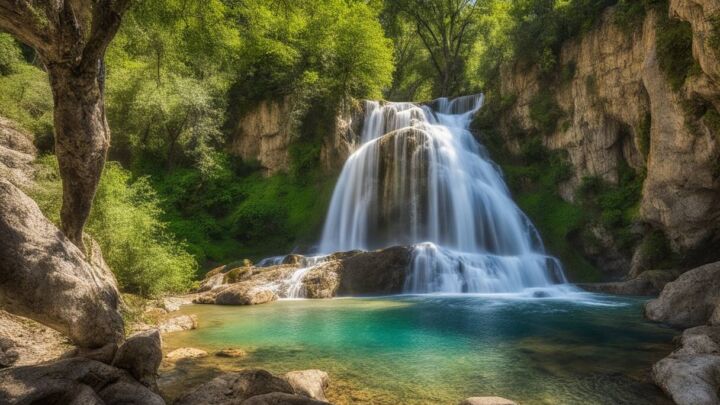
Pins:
<point x="279" y="398"/>
<point x="45" y="277"/>
<point x="231" y="353"/>
<point x="310" y="383"/>
<point x="691" y="374"/>
<point x="178" y="323"/>
<point x="185" y="353"/>
<point x="73" y="381"/>
<point x="690" y="300"/>
<point x="487" y="401"/>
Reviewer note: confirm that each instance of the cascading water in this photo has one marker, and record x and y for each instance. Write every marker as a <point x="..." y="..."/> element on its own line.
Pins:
<point x="420" y="178"/>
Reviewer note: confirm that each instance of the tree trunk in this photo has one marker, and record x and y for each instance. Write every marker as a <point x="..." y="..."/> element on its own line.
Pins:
<point x="82" y="138"/>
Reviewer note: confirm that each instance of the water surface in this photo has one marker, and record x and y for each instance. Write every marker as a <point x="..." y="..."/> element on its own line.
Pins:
<point x="581" y="349"/>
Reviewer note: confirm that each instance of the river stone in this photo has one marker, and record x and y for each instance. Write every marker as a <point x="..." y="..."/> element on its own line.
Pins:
<point x="487" y="401"/>
<point x="186" y="353"/>
<point x="231" y="353"/>
<point x="690" y="300"/>
<point x="233" y="388"/>
<point x="45" y="277"/>
<point x="245" y="294"/>
<point x="178" y="323"/>
<point x="141" y="355"/>
<point x="73" y="381"/>
<point x="280" y="398"/>
<point x="310" y="383"/>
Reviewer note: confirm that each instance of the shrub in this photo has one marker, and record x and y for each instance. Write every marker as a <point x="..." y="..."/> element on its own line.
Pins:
<point x="545" y="112"/>
<point x="125" y="221"/>
<point x="674" y="50"/>
<point x="10" y="56"/>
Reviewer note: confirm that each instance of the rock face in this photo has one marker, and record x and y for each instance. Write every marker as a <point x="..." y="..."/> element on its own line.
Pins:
<point x="620" y="110"/>
<point x="17" y="153"/>
<point x="648" y="283"/>
<point x="24" y="342"/>
<point x="379" y="272"/>
<point x="690" y="300"/>
<point x="45" y="277"/>
<point x="691" y="374"/>
<point x="264" y="135"/>
<point x="73" y="381"/>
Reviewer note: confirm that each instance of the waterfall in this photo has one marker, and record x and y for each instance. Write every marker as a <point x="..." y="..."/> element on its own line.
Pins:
<point x="421" y="179"/>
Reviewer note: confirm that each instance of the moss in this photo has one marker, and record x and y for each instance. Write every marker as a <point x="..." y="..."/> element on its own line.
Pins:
<point x="545" y="112"/>
<point x="674" y="50"/>
<point x="657" y="252"/>
<point x="711" y="118"/>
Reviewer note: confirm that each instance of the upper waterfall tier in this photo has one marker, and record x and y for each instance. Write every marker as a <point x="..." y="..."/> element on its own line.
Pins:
<point x="420" y="178"/>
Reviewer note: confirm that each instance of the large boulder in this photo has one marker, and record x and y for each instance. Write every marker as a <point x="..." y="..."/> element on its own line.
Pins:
<point x="141" y="356"/>
<point x="233" y="388"/>
<point x="178" y="323"/>
<point x="323" y="280"/>
<point x="45" y="277"/>
<point x="245" y="293"/>
<point x="310" y="383"/>
<point x="73" y="381"/>
<point x="690" y="300"/>
<point x="378" y="272"/>
<point x="691" y="374"/>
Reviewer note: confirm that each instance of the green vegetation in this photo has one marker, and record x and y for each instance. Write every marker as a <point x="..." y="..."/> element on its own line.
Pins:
<point x="657" y="252"/>
<point x="125" y="221"/>
<point x="545" y="112"/>
<point x="674" y="50"/>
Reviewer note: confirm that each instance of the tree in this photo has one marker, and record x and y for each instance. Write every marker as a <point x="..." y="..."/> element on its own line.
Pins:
<point x="447" y="29"/>
<point x="70" y="37"/>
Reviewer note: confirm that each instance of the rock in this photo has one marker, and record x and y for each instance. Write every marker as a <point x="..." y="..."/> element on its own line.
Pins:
<point x="17" y="153"/>
<point x="691" y="374"/>
<point x="487" y="401"/>
<point x="648" y="283"/>
<point x="73" y="381"/>
<point x="323" y="280"/>
<point x="690" y="300"/>
<point x="212" y="282"/>
<point x="45" y="277"/>
<point x="185" y="353"/>
<point x="310" y="383"/>
<point x="178" y="323"/>
<point x="244" y="293"/>
<point x="172" y="304"/>
<point x="103" y="354"/>
<point x="279" y="398"/>
<point x="25" y="342"/>
<point x="141" y="355"/>
<point x="380" y="272"/>
<point x="231" y="353"/>
<point x="233" y="388"/>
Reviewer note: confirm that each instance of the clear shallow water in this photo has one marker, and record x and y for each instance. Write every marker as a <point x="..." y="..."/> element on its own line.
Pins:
<point x="583" y="349"/>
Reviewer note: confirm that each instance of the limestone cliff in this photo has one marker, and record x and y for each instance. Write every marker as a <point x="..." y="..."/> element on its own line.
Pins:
<point x="619" y="108"/>
<point x="265" y="133"/>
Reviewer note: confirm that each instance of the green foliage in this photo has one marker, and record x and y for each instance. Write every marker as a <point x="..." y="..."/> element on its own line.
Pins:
<point x="657" y="252"/>
<point x="545" y="112"/>
<point x="25" y="95"/>
<point x="615" y="207"/>
<point x="10" y="56"/>
<point x="674" y="50"/>
<point x="629" y="14"/>
<point x="126" y="222"/>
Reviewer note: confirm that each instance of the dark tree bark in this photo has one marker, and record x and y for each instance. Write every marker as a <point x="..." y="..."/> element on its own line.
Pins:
<point x="70" y="37"/>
